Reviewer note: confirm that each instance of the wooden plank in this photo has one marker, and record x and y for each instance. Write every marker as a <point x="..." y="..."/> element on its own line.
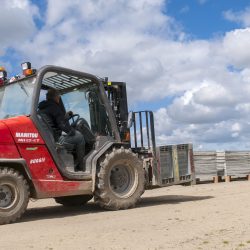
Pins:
<point x="228" y="178"/>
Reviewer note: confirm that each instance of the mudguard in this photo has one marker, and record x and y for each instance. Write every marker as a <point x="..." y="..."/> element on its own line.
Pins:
<point x="18" y="164"/>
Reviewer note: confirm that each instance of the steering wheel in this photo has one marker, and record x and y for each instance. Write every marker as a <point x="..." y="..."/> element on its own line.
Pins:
<point x="75" y="118"/>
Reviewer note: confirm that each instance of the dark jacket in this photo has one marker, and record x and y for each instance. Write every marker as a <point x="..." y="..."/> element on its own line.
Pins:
<point x="57" y="117"/>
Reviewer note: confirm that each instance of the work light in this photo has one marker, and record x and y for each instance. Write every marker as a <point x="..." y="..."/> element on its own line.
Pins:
<point x="27" y="70"/>
<point x="26" y="65"/>
<point x="3" y="75"/>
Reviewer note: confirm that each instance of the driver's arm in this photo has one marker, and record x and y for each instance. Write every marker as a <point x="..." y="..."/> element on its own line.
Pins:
<point x="63" y="124"/>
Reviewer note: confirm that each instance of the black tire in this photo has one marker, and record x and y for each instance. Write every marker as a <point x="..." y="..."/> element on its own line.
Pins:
<point x="14" y="195"/>
<point x="120" y="180"/>
<point x="73" y="201"/>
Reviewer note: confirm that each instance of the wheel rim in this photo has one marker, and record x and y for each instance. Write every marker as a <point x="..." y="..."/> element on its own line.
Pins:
<point x="8" y="196"/>
<point x="123" y="180"/>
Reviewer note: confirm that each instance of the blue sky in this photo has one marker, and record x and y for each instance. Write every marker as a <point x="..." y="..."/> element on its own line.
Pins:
<point x="188" y="61"/>
<point x="204" y="19"/>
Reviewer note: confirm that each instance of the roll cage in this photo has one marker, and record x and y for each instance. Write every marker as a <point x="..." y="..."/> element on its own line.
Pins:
<point x="64" y="88"/>
<point x="74" y="83"/>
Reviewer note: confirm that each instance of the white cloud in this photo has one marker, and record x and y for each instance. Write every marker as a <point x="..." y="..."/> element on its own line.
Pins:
<point x="236" y="47"/>
<point x="16" y="22"/>
<point x="241" y="17"/>
<point x="136" y="42"/>
<point x="202" y="1"/>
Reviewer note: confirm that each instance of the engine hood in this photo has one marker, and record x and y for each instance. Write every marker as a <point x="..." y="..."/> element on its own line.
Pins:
<point x="23" y="130"/>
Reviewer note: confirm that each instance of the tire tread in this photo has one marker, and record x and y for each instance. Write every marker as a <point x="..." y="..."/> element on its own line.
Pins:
<point x="10" y="172"/>
<point x="103" y="195"/>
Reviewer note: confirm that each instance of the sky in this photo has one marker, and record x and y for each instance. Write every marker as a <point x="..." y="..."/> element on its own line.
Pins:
<point x="187" y="60"/>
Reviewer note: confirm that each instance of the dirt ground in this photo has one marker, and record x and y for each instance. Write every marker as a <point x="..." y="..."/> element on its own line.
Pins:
<point x="207" y="216"/>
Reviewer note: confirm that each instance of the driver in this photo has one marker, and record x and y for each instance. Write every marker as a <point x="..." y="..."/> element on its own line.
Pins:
<point x="59" y="119"/>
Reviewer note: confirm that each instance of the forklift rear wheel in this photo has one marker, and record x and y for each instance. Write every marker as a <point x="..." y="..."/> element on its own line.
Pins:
<point x="73" y="201"/>
<point x="120" y="181"/>
<point x="14" y="195"/>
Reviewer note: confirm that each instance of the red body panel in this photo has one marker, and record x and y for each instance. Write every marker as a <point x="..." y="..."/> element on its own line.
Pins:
<point x="23" y="130"/>
<point x="45" y="175"/>
<point x="5" y="136"/>
<point x="39" y="161"/>
<point x="9" y="151"/>
<point x="8" y="148"/>
<point x="22" y="140"/>
<point x="49" y="189"/>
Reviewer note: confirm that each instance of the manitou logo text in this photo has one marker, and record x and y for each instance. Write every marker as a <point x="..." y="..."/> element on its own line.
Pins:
<point x="39" y="160"/>
<point x="27" y="137"/>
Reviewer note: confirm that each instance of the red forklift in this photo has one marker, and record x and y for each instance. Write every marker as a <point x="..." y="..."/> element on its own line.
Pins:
<point x="121" y="157"/>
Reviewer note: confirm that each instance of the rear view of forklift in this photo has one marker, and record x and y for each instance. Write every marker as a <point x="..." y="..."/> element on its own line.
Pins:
<point x="35" y="163"/>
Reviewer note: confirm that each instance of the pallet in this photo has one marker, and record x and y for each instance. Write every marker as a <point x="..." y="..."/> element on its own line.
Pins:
<point x="214" y="179"/>
<point x="229" y="178"/>
<point x="226" y="178"/>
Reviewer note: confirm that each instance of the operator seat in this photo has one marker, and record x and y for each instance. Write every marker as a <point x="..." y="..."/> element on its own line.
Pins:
<point x="53" y="132"/>
<point x="47" y="125"/>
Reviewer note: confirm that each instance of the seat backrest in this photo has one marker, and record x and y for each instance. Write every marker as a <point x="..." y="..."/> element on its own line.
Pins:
<point x="47" y="125"/>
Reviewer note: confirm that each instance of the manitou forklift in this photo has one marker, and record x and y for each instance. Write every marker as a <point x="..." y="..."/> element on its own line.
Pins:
<point x="35" y="164"/>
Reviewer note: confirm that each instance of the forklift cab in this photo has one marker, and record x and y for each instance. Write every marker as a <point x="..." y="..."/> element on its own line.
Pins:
<point x="84" y="95"/>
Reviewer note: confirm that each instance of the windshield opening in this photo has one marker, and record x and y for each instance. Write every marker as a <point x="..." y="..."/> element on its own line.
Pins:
<point x="16" y="98"/>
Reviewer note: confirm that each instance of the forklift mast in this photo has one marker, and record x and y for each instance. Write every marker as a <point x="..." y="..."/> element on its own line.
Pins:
<point x="117" y="96"/>
<point x="143" y="134"/>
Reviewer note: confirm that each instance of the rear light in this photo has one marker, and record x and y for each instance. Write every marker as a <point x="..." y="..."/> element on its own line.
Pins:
<point x="28" y="72"/>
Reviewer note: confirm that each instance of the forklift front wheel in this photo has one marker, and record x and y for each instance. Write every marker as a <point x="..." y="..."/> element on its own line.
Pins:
<point x="120" y="181"/>
<point x="14" y="195"/>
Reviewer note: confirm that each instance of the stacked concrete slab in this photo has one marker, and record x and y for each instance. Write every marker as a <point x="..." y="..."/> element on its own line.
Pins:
<point x="205" y="164"/>
<point x="209" y="164"/>
<point x="237" y="163"/>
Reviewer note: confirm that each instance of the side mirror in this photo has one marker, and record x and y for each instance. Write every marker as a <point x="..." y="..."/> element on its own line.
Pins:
<point x="130" y="119"/>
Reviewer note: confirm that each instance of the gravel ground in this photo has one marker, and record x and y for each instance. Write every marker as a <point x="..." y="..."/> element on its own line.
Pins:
<point x="207" y="216"/>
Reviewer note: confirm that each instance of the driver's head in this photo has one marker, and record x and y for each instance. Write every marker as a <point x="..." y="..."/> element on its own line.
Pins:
<point x="53" y="95"/>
